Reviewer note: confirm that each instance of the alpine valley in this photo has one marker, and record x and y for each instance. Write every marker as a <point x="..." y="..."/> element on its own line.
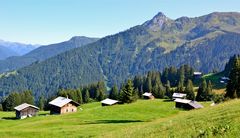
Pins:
<point x="206" y="43"/>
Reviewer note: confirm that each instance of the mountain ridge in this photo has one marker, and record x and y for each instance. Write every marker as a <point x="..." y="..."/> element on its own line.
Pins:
<point x="204" y="45"/>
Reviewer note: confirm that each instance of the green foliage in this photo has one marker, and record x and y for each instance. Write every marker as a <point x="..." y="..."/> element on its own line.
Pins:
<point x="114" y="93"/>
<point x="190" y="91"/>
<point x="1" y="107"/>
<point x="101" y="91"/>
<point x="14" y="99"/>
<point x="233" y="87"/>
<point x="169" y="93"/>
<point x="41" y="103"/>
<point x="116" y="58"/>
<point x="204" y="91"/>
<point x="128" y="94"/>
<point x="86" y="98"/>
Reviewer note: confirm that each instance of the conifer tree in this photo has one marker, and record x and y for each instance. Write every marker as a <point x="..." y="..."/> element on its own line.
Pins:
<point x="86" y="96"/>
<point x="114" y="92"/>
<point x="101" y="90"/>
<point x="202" y="91"/>
<point x="190" y="91"/>
<point x="41" y="102"/>
<point x="233" y="86"/>
<point x="168" y="90"/>
<point x="79" y="96"/>
<point x="11" y="101"/>
<point x="127" y="93"/>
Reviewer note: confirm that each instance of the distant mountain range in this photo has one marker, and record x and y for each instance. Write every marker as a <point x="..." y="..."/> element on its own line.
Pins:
<point x="8" y="49"/>
<point x="205" y="43"/>
<point x="43" y="52"/>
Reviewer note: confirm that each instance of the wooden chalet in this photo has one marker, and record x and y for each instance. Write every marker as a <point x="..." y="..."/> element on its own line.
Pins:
<point x="26" y="110"/>
<point x="109" y="102"/>
<point x="179" y="96"/>
<point x="62" y="105"/>
<point x="148" y="95"/>
<point x="187" y="104"/>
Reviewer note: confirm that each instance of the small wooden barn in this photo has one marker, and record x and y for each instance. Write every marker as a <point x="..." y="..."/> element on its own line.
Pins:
<point x="148" y="95"/>
<point x="187" y="104"/>
<point x="179" y="96"/>
<point x="26" y="110"/>
<point x="108" y="102"/>
<point x="62" y="105"/>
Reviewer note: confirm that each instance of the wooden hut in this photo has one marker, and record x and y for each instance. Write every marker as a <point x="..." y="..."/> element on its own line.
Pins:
<point x="148" y="95"/>
<point x="109" y="102"/>
<point x="26" y="110"/>
<point x="62" y="105"/>
<point x="187" y="104"/>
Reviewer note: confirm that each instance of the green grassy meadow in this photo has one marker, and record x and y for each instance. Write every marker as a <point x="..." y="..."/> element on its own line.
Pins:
<point x="145" y="118"/>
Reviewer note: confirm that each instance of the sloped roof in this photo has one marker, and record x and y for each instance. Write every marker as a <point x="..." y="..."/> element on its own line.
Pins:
<point x="182" y="101"/>
<point x="197" y="73"/>
<point x="179" y="95"/>
<point x="61" y="101"/>
<point x="147" y="94"/>
<point x="195" y="104"/>
<point x="109" y="101"/>
<point x="23" y="106"/>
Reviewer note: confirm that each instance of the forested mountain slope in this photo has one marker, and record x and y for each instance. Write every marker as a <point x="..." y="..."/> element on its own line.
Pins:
<point x="205" y="42"/>
<point x="43" y="52"/>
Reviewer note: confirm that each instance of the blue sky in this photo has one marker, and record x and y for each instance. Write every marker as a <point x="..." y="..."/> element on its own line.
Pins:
<point x="51" y="21"/>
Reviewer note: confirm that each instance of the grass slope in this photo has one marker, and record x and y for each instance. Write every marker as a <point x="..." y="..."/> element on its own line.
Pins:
<point x="141" y="119"/>
<point x="92" y="121"/>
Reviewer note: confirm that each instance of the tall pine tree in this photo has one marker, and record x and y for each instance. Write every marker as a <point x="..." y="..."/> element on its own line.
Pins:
<point x="233" y="86"/>
<point x="190" y="91"/>
<point x="114" y="92"/>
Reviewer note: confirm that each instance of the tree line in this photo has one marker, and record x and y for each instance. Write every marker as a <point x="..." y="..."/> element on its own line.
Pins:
<point x="161" y="85"/>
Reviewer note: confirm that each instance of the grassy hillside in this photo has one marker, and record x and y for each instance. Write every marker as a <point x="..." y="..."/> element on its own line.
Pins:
<point x="215" y="79"/>
<point x="218" y="121"/>
<point x="93" y="120"/>
<point x="141" y="119"/>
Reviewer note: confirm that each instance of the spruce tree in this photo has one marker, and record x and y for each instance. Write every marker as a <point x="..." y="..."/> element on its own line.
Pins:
<point x="79" y="96"/>
<point x="101" y="90"/>
<point x="86" y="98"/>
<point x="233" y="87"/>
<point x="41" y="102"/>
<point x="11" y="101"/>
<point x="114" y="92"/>
<point x="168" y="90"/>
<point x="202" y="91"/>
<point x="209" y="91"/>
<point x="190" y="91"/>
<point x="127" y="93"/>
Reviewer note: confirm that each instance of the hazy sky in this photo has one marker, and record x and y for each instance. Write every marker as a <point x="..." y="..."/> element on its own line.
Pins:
<point x="51" y="21"/>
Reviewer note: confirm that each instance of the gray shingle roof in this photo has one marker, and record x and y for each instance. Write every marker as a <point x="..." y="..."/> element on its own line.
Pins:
<point x="195" y="104"/>
<point x="61" y="101"/>
<point x="23" y="106"/>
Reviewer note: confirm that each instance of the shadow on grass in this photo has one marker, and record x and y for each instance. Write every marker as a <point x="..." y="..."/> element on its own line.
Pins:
<point x="43" y="114"/>
<point x="168" y="100"/>
<point x="112" y="121"/>
<point x="9" y="118"/>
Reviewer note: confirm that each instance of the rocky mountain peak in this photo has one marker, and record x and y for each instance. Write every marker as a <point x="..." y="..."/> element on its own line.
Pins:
<point x="156" y="22"/>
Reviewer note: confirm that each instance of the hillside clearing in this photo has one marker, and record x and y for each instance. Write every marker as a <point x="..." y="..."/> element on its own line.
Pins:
<point x="152" y="118"/>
